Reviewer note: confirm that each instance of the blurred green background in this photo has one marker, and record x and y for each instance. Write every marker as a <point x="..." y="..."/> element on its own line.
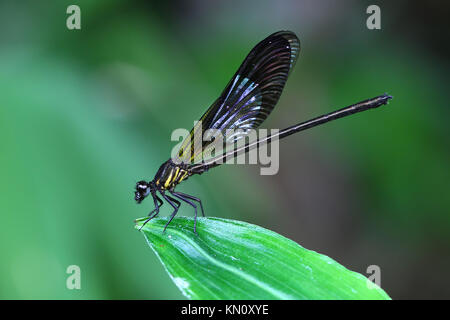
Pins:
<point x="84" y="114"/>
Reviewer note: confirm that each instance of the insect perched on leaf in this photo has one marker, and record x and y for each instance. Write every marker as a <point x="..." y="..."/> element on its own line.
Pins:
<point x="245" y="103"/>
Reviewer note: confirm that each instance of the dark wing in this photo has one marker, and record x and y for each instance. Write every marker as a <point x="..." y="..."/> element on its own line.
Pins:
<point x="248" y="98"/>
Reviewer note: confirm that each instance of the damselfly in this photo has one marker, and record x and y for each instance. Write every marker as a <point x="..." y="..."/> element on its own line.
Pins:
<point x="245" y="103"/>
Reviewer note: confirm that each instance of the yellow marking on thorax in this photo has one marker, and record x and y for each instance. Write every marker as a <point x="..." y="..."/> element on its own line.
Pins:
<point x="169" y="180"/>
<point x="184" y="172"/>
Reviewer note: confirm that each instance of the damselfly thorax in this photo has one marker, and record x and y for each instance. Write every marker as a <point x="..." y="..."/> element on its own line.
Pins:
<point x="170" y="174"/>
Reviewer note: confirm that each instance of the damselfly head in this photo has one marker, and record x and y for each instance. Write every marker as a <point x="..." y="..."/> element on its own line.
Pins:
<point x="142" y="190"/>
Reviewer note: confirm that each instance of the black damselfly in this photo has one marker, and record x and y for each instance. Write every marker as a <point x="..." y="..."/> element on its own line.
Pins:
<point x="245" y="103"/>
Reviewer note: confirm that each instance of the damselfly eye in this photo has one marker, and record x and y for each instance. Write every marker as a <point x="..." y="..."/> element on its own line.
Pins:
<point x="141" y="186"/>
<point x="142" y="190"/>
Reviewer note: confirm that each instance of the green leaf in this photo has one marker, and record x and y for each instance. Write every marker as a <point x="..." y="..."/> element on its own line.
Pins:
<point x="231" y="259"/>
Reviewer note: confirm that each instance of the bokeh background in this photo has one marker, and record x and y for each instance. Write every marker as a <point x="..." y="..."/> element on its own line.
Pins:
<point x="84" y="114"/>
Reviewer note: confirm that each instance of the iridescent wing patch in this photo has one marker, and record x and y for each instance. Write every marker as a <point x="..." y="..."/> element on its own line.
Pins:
<point x="247" y="100"/>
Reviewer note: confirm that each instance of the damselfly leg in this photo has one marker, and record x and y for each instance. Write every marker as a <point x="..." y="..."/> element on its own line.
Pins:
<point x="181" y="197"/>
<point x="158" y="204"/>
<point x="175" y="204"/>
<point x="184" y="195"/>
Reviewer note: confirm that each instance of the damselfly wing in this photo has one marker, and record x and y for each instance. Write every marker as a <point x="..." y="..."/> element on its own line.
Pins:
<point x="246" y="102"/>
